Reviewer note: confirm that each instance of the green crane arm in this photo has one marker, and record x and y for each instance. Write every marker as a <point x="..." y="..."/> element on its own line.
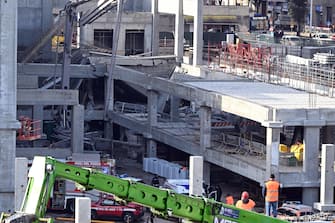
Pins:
<point x="45" y="170"/>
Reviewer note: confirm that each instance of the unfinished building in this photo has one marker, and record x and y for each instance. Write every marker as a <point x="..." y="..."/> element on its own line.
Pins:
<point x="233" y="122"/>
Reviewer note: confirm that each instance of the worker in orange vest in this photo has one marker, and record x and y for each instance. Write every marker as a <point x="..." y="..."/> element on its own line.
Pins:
<point x="229" y="199"/>
<point x="245" y="203"/>
<point x="271" y="193"/>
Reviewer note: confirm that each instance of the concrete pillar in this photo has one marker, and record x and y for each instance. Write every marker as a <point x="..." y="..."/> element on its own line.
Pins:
<point x="109" y="83"/>
<point x="21" y="176"/>
<point x="152" y="108"/>
<point x="77" y="127"/>
<point x="155" y="28"/>
<point x="198" y="33"/>
<point x="311" y="149"/>
<point x="47" y="22"/>
<point x="272" y="148"/>
<point x="179" y="33"/>
<point x="174" y="108"/>
<point x="147" y="38"/>
<point x="196" y="175"/>
<point x="82" y="210"/>
<point x="205" y="128"/>
<point x="151" y="148"/>
<point x="8" y="122"/>
<point x="152" y="121"/>
<point x="79" y="31"/>
<point x="207" y="173"/>
<point x="327" y="178"/>
<point x="121" y="50"/>
<point x="310" y="195"/>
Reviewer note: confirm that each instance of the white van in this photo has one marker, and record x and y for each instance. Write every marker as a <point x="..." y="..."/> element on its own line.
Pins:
<point x="291" y="40"/>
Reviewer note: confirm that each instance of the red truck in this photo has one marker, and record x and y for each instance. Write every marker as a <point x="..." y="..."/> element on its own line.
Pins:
<point x="108" y="208"/>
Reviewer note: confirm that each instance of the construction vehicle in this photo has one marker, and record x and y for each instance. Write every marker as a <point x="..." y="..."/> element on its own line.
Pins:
<point x="163" y="202"/>
<point x="64" y="192"/>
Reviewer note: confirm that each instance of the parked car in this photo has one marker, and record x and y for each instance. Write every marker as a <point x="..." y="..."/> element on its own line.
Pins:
<point x="321" y="36"/>
<point x="293" y="210"/>
<point x="108" y="208"/>
<point x="291" y="40"/>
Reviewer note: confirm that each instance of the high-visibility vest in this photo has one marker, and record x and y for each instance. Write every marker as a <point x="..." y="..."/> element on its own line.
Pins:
<point x="272" y="191"/>
<point x="248" y="206"/>
<point x="230" y="200"/>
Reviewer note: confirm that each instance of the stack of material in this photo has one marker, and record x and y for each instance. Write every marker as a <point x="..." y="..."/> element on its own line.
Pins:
<point x="325" y="58"/>
<point x="164" y="168"/>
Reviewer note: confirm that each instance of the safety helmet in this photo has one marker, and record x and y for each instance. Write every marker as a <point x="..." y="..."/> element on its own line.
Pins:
<point x="245" y="195"/>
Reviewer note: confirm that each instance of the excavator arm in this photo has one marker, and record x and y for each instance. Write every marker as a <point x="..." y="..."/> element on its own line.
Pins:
<point x="45" y="170"/>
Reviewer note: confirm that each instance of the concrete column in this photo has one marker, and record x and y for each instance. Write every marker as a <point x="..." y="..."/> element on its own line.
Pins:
<point x="311" y="149"/>
<point x="196" y="175"/>
<point x="155" y="28"/>
<point x="21" y="176"/>
<point x="327" y="178"/>
<point x="151" y="148"/>
<point x="272" y="148"/>
<point x="109" y="90"/>
<point x="147" y="38"/>
<point x="205" y="128"/>
<point x="198" y="33"/>
<point x="109" y="133"/>
<point x="152" y="108"/>
<point x="310" y="195"/>
<point x="179" y="33"/>
<point x="82" y="210"/>
<point x="152" y="121"/>
<point x="174" y="108"/>
<point x="77" y="127"/>
<point x="121" y="50"/>
<point x="47" y="22"/>
<point x="8" y="122"/>
<point x="207" y="173"/>
<point x="79" y="31"/>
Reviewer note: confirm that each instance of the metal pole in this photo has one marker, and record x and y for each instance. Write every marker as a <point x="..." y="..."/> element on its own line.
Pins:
<point x="311" y="17"/>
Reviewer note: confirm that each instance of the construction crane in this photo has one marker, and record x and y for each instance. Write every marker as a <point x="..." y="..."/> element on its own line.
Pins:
<point x="163" y="202"/>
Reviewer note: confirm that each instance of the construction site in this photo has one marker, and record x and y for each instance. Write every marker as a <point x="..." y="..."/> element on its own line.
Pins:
<point x="91" y="82"/>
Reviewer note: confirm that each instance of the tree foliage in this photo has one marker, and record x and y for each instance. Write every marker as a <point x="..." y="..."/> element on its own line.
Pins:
<point x="298" y="10"/>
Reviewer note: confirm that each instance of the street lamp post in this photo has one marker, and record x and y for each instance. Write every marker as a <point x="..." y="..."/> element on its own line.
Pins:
<point x="311" y="17"/>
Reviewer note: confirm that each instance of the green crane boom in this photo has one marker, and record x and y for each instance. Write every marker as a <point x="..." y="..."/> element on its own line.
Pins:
<point x="45" y="170"/>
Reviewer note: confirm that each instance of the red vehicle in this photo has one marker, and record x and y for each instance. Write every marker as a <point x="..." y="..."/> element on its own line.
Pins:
<point x="108" y="208"/>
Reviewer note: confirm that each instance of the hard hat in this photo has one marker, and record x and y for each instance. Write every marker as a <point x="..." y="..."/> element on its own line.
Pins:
<point x="245" y="195"/>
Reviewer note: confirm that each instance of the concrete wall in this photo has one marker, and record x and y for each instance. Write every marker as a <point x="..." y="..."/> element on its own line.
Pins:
<point x="34" y="19"/>
<point x="138" y="5"/>
<point x="135" y="21"/>
<point x="29" y="22"/>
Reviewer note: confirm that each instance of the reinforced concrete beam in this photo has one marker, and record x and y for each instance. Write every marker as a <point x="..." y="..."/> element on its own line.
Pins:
<point x="47" y="97"/>
<point x="49" y="70"/>
<point x="29" y="153"/>
<point x="226" y="103"/>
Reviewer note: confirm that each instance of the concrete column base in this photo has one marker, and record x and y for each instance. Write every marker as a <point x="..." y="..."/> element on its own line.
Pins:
<point x="310" y="195"/>
<point x="324" y="207"/>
